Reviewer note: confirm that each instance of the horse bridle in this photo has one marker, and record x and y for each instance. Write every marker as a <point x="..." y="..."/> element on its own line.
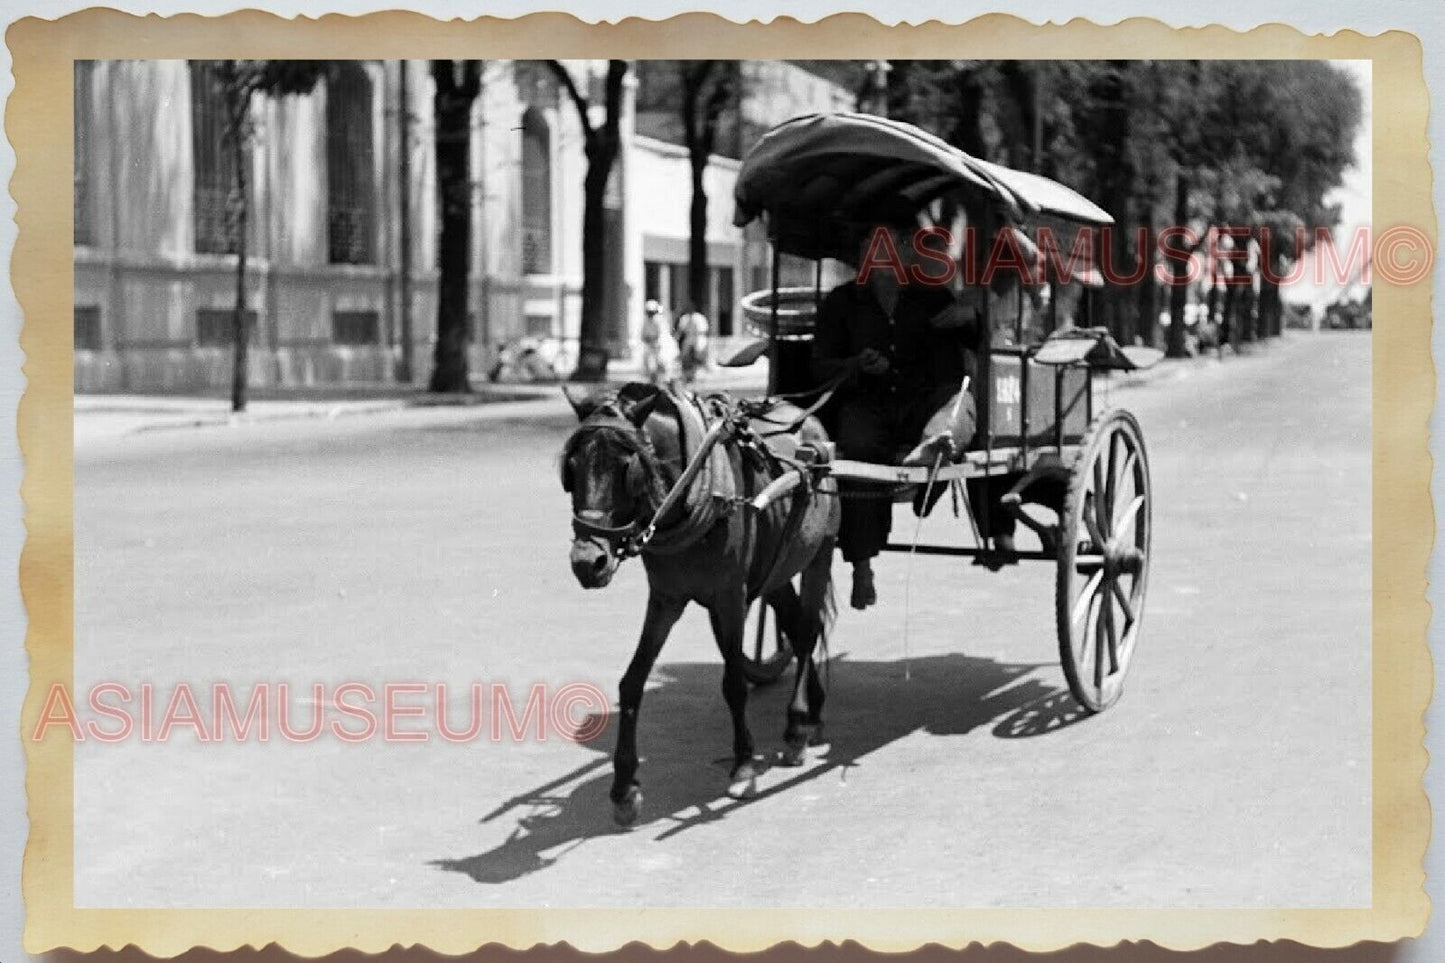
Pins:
<point x="625" y="541"/>
<point x="628" y="539"/>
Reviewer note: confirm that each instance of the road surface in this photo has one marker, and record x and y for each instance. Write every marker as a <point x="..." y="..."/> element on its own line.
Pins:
<point x="431" y="546"/>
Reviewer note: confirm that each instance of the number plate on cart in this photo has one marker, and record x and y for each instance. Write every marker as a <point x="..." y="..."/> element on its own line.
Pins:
<point x="1012" y="385"/>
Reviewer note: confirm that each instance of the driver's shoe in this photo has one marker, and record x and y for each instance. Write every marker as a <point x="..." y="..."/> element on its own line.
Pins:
<point x="864" y="593"/>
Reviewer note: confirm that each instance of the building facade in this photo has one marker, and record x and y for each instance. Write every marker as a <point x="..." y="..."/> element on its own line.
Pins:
<point x="336" y="176"/>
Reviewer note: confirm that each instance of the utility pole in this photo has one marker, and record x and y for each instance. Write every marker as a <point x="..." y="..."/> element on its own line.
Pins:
<point x="406" y="371"/>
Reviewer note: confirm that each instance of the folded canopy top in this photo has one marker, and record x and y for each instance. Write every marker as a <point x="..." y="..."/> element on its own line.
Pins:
<point x="819" y="176"/>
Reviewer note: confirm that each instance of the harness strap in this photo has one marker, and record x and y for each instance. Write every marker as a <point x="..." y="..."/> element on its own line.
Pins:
<point x="824" y="392"/>
<point x="684" y="481"/>
<point x="582" y="528"/>
<point x="796" y="511"/>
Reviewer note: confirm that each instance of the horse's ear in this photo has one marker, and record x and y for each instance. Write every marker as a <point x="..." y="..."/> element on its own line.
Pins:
<point x="581" y="403"/>
<point x="636" y="411"/>
<point x="637" y="401"/>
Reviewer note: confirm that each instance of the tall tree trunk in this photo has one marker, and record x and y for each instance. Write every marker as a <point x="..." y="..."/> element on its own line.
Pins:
<point x="602" y="145"/>
<point x="1237" y="303"/>
<point x="700" y="116"/>
<point x="593" y="353"/>
<point x="453" y="108"/>
<point x="1121" y="322"/>
<point x="240" y="335"/>
<point x="1148" y="289"/>
<point x="1270" y="306"/>
<point x="1119" y="189"/>
<point x="1179" y="289"/>
<point x="697" y="274"/>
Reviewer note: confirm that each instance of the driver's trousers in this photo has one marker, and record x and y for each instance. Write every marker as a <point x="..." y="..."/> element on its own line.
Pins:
<point x="874" y="426"/>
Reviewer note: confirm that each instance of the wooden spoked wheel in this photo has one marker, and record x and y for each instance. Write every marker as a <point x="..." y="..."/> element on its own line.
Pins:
<point x="1103" y="559"/>
<point x="766" y="649"/>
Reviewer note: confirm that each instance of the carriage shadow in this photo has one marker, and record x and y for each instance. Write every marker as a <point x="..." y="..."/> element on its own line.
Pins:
<point x="684" y="736"/>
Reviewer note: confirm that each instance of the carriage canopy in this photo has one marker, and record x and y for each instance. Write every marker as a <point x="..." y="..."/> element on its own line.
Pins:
<point x="819" y="175"/>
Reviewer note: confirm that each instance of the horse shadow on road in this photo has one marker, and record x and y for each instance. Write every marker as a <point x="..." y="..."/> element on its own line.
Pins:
<point x="684" y="735"/>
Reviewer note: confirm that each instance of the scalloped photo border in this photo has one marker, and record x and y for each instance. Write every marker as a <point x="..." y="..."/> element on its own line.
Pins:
<point x="38" y="124"/>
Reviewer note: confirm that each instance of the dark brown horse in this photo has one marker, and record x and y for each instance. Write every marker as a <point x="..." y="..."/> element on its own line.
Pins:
<point x="709" y="547"/>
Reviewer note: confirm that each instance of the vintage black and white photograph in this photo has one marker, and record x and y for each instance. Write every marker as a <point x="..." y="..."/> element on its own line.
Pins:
<point x="723" y="483"/>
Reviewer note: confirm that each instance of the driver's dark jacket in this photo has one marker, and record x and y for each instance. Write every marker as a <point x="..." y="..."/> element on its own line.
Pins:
<point x="923" y="357"/>
<point x="881" y="413"/>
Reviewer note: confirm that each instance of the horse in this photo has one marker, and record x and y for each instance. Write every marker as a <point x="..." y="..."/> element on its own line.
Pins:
<point x="619" y="465"/>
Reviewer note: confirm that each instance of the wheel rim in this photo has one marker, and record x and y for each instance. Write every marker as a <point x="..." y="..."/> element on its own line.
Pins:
<point x="1104" y="561"/>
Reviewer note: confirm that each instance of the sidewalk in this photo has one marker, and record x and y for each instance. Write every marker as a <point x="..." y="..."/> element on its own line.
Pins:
<point x="99" y="417"/>
<point x="109" y="416"/>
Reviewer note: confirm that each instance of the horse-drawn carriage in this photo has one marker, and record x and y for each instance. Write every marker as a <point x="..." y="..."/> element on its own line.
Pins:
<point x="811" y="181"/>
<point x="735" y="503"/>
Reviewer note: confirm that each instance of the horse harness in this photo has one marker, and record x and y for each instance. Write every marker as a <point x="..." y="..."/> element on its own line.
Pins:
<point x="706" y="489"/>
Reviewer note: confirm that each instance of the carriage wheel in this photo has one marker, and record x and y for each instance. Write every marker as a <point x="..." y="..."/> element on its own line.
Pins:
<point x="766" y="653"/>
<point x="1103" y="559"/>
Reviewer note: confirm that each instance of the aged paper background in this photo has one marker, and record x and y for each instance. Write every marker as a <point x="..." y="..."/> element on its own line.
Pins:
<point x="38" y="125"/>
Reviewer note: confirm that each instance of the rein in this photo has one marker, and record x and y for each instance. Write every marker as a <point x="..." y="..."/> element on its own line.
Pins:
<point x="824" y="393"/>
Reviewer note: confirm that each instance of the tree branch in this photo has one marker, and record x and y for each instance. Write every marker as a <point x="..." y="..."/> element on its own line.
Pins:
<point x="471" y="79"/>
<point x="691" y="74"/>
<point x="717" y="101"/>
<point x="564" y="77"/>
<point x="616" y="70"/>
<point x="442" y="75"/>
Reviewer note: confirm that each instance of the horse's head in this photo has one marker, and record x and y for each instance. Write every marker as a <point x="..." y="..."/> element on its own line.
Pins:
<point x="611" y="472"/>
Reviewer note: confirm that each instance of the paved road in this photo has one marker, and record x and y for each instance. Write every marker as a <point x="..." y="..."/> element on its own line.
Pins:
<point x="431" y="546"/>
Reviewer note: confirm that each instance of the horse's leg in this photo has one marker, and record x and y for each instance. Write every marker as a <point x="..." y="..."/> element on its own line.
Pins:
<point x="805" y="710"/>
<point x="728" y="613"/>
<point x="662" y="615"/>
<point x="791" y="616"/>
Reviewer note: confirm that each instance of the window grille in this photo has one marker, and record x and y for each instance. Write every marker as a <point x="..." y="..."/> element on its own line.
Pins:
<point x="355" y="327"/>
<point x="213" y="327"/>
<point x="82" y="119"/>
<point x="350" y="190"/>
<point x="536" y="194"/>
<point x="215" y="172"/>
<point x="87" y="327"/>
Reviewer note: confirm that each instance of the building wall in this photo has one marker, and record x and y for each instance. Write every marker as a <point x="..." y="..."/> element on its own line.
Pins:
<point x="140" y="282"/>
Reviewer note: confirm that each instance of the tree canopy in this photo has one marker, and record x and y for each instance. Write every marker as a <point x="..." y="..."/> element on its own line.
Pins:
<point x="1257" y="144"/>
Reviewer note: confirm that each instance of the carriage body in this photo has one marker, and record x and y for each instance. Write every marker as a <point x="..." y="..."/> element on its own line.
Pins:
<point x="812" y="181"/>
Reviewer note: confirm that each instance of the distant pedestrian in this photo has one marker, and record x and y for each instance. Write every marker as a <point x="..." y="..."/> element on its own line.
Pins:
<point x="692" y="343"/>
<point x="659" y="350"/>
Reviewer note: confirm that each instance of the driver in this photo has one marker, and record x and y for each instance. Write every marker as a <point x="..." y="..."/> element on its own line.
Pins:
<point x="902" y="345"/>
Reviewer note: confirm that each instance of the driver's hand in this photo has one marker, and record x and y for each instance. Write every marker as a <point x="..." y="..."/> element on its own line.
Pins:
<point x="872" y="361"/>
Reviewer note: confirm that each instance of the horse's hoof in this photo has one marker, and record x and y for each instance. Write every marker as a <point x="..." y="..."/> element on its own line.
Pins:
<point x="743" y="784"/>
<point x="794" y="753"/>
<point x="626" y="810"/>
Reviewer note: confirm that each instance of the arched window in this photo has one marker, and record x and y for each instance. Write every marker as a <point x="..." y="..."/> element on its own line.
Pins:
<point x="350" y="166"/>
<point x="212" y="159"/>
<point x="536" y="194"/>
